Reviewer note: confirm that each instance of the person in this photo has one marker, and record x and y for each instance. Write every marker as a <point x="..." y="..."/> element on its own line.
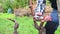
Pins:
<point x="51" y="26"/>
<point x="52" y="19"/>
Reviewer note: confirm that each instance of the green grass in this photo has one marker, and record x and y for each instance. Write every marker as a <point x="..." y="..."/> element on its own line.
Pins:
<point x="6" y="15"/>
<point x="25" y="25"/>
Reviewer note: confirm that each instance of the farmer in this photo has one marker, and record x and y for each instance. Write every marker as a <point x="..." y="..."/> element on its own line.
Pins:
<point x="52" y="25"/>
<point x="52" y="19"/>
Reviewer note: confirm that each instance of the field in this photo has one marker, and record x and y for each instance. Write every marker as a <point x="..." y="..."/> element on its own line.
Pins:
<point x="25" y="25"/>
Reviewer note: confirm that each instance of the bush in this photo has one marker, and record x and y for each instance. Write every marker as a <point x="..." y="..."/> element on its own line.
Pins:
<point x="13" y="4"/>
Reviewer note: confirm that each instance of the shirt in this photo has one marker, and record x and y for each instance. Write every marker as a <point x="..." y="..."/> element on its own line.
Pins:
<point x="40" y="6"/>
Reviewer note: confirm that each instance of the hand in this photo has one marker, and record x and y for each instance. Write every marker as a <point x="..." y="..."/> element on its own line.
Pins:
<point x="47" y="18"/>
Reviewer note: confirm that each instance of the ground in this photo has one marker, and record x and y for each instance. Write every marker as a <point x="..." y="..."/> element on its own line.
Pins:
<point x="25" y="25"/>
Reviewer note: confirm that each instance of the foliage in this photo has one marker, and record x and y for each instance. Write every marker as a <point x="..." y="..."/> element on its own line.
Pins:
<point x="13" y="4"/>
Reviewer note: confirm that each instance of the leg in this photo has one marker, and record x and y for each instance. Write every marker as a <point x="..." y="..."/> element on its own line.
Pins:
<point x="51" y="27"/>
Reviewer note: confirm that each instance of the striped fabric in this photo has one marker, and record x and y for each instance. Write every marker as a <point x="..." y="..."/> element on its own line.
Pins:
<point x="40" y="5"/>
<point x="39" y="8"/>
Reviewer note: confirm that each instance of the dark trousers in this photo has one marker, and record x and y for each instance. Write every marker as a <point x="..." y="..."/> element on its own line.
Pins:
<point x="51" y="27"/>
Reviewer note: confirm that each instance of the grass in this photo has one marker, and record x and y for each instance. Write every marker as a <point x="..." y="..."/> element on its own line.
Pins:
<point x="25" y="25"/>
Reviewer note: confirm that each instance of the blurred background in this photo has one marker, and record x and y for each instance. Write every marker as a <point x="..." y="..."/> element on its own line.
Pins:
<point x="19" y="10"/>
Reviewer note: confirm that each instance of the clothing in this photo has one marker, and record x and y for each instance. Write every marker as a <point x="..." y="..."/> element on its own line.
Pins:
<point x="54" y="15"/>
<point x="40" y="8"/>
<point x="51" y="27"/>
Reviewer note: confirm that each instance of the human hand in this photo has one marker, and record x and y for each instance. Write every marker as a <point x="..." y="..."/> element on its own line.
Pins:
<point x="47" y="18"/>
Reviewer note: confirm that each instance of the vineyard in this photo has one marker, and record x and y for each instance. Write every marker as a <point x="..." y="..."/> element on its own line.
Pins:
<point x="21" y="13"/>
